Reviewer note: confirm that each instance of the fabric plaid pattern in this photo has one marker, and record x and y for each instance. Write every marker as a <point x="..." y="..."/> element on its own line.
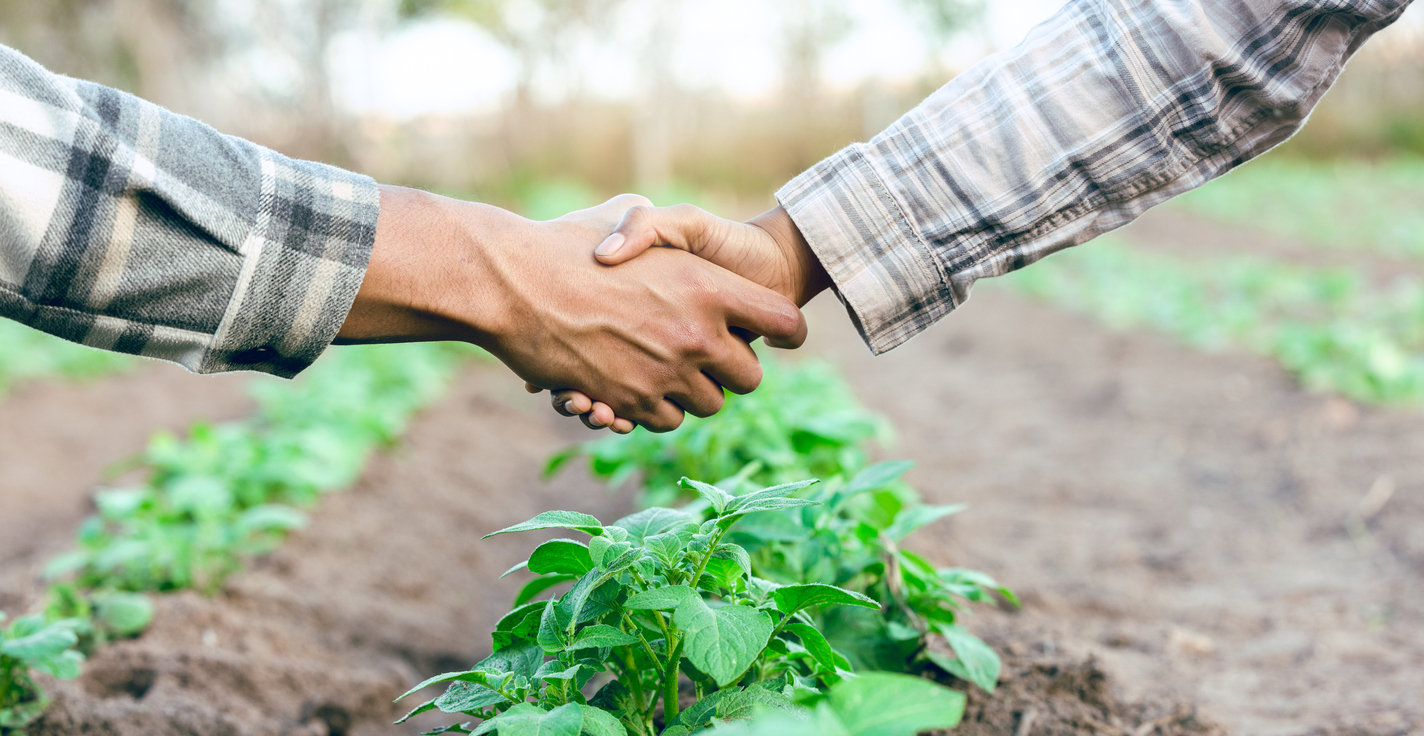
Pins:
<point x="1104" y="110"/>
<point x="126" y="227"/>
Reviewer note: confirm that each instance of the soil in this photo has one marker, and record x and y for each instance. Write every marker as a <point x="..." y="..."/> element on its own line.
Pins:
<point x="1201" y="546"/>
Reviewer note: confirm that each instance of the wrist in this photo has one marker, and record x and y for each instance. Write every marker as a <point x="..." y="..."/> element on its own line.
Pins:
<point x="807" y="276"/>
<point x="426" y="277"/>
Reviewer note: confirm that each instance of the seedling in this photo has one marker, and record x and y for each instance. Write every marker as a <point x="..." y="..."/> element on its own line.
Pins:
<point x="656" y="597"/>
<point x="30" y="644"/>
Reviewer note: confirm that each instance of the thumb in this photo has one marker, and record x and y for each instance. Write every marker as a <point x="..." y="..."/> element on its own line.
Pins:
<point x="681" y="226"/>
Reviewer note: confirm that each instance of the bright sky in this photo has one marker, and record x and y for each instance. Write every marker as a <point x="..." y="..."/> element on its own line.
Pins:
<point x="733" y="46"/>
<point x="443" y="66"/>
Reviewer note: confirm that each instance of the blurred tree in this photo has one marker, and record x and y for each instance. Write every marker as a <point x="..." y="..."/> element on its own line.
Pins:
<point x="942" y="20"/>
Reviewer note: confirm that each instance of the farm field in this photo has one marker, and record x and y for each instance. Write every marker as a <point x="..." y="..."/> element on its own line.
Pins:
<point x="1200" y="544"/>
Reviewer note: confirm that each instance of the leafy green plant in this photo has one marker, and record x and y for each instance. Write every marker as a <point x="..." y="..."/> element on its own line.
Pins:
<point x="656" y="597"/>
<point x="803" y="422"/>
<point x="100" y="616"/>
<point x="30" y="644"/>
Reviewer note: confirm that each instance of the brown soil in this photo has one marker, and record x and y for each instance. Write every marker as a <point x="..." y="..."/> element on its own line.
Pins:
<point x="1187" y="532"/>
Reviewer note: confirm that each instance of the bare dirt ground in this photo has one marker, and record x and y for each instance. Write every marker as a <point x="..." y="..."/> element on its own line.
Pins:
<point x="1197" y="542"/>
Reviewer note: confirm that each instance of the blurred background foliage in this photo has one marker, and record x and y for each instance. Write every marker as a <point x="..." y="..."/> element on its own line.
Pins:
<point x="549" y="105"/>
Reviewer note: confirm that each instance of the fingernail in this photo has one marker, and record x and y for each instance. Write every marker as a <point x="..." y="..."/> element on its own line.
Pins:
<point x="610" y="245"/>
<point x="569" y="407"/>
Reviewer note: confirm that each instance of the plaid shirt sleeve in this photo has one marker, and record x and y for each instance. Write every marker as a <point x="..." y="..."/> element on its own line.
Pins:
<point x="1106" y="109"/>
<point x="126" y="227"/>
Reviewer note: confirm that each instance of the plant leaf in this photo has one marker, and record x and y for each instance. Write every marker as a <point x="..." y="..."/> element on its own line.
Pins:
<point x="817" y="646"/>
<point x="740" y="503"/>
<point x="913" y="517"/>
<point x="772" y="504"/>
<point x="649" y="522"/>
<point x="555" y="520"/>
<point x="792" y="598"/>
<point x="722" y="642"/>
<point x="714" y="495"/>
<point x="977" y="662"/>
<point x="526" y="719"/>
<point x="125" y="614"/>
<point x="539" y="585"/>
<point x="49" y="641"/>
<point x="600" y="723"/>
<point x="562" y="556"/>
<point x="601" y="635"/>
<point x="477" y="676"/>
<point x="661" y="599"/>
<point x="884" y="704"/>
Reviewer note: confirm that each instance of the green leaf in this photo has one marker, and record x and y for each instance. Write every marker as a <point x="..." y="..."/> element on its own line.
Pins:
<point x="270" y="517"/>
<point x="562" y="556"/>
<point x="752" y="702"/>
<point x="598" y="722"/>
<point x="125" y="614"/>
<point x="601" y="635"/>
<point x="63" y="666"/>
<point x="792" y="598"/>
<point x="913" y="517"/>
<point x="529" y="720"/>
<point x="884" y="704"/>
<point x="875" y="477"/>
<point x="477" y="676"/>
<point x="425" y="707"/>
<point x="668" y="548"/>
<point x="772" y="504"/>
<point x="817" y="646"/>
<point x="661" y="599"/>
<point x="714" y="495"/>
<point x="539" y="585"/>
<point x="976" y="661"/>
<point x="514" y="569"/>
<point x="48" y="641"/>
<point x="735" y="553"/>
<point x="555" y="520"/>
<point x="649" y="522"/>
<point x="601" y="549"/>
<point x="742" y="504"/>
<point x="722" y="642"/>
<point x="552" y="627"/>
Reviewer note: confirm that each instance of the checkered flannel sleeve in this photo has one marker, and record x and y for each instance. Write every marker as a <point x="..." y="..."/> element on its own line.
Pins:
<point x="126" y="227"/>
<point x="1106" y="109"/>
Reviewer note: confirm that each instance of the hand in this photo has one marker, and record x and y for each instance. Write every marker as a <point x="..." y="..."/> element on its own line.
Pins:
<point x="652" y="339"/>
<point x="768" y="249"/>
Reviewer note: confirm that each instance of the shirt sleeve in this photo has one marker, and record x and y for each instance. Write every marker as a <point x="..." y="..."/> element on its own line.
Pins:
<point x="127" y="227"/>
<point x="1104" y="110"/>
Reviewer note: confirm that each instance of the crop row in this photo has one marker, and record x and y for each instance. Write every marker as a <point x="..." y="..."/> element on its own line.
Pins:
<point x="769" y="600"/>
<point x="1330" y="327"/>
<point x="210" y="501"/>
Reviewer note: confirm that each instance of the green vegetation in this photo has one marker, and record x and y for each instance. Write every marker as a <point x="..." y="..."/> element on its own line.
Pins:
<point x="1327" y="326"/>
<point x="657" y="596"/>
<point x="214" y="499"/>
<point x="31" y="644"/>
<point x="30" y="354"/>
<point x="1342" y="204"/>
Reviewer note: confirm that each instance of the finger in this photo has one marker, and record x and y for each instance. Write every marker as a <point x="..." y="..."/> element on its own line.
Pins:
<point x="738" y="368"/>
<point x="589" y="421"/>
<point x="665" y="417"/>
<point x="531" y="388"/>
<point x="619" y="425"/>
<point x="702" y="397"/>
<point x="601" y="414"/>
<point x="761" y="311"/>
<point x="570" y="403"/>
<point x="684" y="227"/>
<point x="623" y="426"/>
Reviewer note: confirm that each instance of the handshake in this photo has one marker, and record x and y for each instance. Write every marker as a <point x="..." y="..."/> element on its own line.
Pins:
<point x="621" y="333"/>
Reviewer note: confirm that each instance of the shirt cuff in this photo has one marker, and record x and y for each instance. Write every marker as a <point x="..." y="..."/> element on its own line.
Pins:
<point x="884" y="271"/>
<point x="302" y="264"/>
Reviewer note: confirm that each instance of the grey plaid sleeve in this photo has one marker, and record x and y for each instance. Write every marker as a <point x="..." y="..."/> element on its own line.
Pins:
<point x="126" y="227"/>
<point x="1106" y="109"/>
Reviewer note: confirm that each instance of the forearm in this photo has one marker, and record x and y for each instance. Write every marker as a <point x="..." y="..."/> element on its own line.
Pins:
<point x="130" y="228"/>
<point x="1102" y="112"/>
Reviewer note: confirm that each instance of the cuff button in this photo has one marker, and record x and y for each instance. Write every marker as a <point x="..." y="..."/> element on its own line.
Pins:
<point x="264" y="354"/>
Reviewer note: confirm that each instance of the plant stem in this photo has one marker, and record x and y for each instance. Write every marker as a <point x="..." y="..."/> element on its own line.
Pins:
<point x="670" y="704"/>
<point x="702" y="566"/>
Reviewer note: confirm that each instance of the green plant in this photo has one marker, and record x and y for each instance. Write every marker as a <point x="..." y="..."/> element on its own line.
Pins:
<point x="655" y="597"/>
<point x="804" y="422"/>
<point x="101" y="616"/>
<point x="32" y="644"/>
<point x="31" y="354"/>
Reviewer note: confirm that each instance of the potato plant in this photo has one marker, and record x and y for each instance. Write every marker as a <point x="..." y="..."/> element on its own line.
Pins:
<point x="27" y="645"/>
<point x="656" y="597"/>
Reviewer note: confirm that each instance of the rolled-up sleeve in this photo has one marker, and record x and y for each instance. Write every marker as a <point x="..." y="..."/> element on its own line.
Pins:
<point x="1104" y="110"/>
<point x="126" y="227"/>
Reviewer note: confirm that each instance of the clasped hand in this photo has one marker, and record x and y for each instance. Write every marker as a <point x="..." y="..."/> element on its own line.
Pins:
<point x="768" y="250"/>
<point x="659" y="335"/>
